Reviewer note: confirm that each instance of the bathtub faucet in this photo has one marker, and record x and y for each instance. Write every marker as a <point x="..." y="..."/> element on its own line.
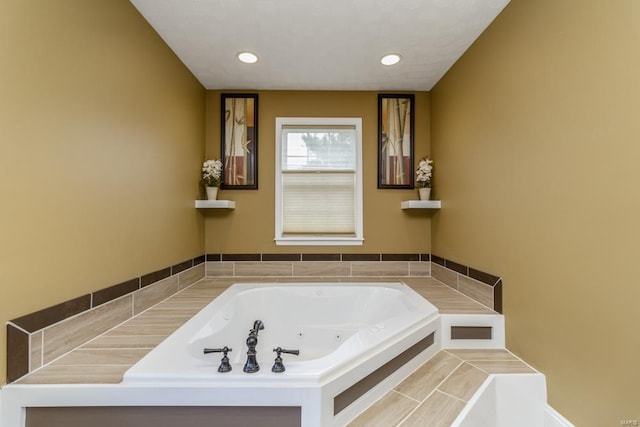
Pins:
<point x="251" y="365"/>
<point x="257" y="327"/>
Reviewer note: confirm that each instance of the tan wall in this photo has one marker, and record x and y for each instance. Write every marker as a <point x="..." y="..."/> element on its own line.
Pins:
<point x="101" y="136"/>
<point x="250" y="227"/>
<point x="535" y="137"/>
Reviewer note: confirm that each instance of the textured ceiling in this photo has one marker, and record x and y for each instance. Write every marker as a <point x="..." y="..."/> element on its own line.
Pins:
<point x="319" y="44"/>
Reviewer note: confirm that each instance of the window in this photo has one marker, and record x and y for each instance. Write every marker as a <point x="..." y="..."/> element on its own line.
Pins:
<point x="318" y="181"/>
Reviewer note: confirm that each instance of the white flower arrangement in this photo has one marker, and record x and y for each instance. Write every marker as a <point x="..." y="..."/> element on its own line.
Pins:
<point x="211" y="172"/>
<point x="424" y="173"/>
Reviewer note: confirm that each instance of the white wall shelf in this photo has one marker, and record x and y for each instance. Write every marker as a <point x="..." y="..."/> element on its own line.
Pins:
<point x="215" y="204"/>
<point x="421" y="204"/>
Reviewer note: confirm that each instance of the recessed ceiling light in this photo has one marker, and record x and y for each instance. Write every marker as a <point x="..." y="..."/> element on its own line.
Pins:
<point x="247" y="57"/>
<point x="390" y="59"/>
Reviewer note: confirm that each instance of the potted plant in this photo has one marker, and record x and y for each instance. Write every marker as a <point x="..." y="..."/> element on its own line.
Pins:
<point x="211" y="174"/>
<point x="423" y="177"/>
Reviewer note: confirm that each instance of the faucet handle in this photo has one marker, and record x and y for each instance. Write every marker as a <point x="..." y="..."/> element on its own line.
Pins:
<point x="282" y="350"/>
<point x="225" y="366"/>
<point x="278" y="366"/>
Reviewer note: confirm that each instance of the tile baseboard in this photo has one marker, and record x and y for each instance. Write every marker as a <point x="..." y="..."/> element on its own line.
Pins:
<point x="480" y="286"/>
<point x="316" y="267"/>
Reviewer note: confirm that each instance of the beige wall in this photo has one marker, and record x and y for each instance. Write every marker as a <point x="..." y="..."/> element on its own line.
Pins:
<point x="535" y="135"/>
<point x="101" y="136"/>
<point x="250" y="227"/>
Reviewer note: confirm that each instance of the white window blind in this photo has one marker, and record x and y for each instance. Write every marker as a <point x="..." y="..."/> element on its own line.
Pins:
<point x="318" y="202"/>
<point x="319" y="183"/>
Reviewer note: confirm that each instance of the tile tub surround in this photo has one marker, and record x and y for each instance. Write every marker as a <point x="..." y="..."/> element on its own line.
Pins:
<point x="482" y="287"/>
<point x="38" y="338"/>
<point x="318" y="257"/>
<point x="319" y="265"/>
<point x="26" y="335"/>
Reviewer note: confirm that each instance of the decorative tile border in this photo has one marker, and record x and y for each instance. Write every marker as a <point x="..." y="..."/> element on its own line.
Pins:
<point x="321" y="257"/>
<point x="17" y="353"/>
<point x="478" y="285"/>
<point x="37" y="338"/>
<point x="116" y="291"/>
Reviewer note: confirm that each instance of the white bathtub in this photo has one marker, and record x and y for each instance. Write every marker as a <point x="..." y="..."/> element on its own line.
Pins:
<point x="343" y="331"/>
<point x="335" y="326"/>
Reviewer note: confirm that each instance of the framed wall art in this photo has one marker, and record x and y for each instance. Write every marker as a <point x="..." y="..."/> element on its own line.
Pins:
<point x="395" y="141"/>
<point x="239" y="140"/>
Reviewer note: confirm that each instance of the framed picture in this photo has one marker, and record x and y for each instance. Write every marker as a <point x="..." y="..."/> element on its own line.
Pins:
<point x="239" y="140"/>
<point x="395" y="141"/>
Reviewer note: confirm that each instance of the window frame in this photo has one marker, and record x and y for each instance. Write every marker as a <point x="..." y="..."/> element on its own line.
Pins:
<point x="316" y="239"/>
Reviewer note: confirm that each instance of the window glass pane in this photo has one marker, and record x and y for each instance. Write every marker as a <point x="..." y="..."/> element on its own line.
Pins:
<point x="317" y="148"/>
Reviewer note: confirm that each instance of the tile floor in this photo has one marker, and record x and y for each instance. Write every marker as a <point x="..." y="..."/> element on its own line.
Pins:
<point x="435" y="393"/>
